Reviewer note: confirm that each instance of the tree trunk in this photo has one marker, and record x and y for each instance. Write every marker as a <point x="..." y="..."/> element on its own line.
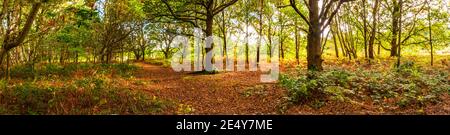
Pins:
<point x="374" y="29"/>
<point x="137" y="54"/>
<point x="395" y="28"/>
<point x="247" y="35"/>
<point x="269" y="36"/>
<point x="8" y="62"/>
<point x="336" y="49"/>
<point x="209" y="33"/>
<point x="314" y="57"/>
<point x="429" y="30"/>
<point x="400" y="33"/>
<point x="76" y="57"/>
<point x="281" y="37"/>
<point x="109" y="56"/>
<point x="365" y="27"/>
<point x="224" y="33"/>
<point x="260" y="31"/>
<point x="143" y="54"/>
<point x="2" y="57"/>
<point x="340" y="37"/>
<point x="352" y="43"/>
<point x="297" y="46"/>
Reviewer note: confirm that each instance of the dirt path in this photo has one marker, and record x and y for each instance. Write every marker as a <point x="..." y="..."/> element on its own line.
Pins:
<point x="224" y="93"/>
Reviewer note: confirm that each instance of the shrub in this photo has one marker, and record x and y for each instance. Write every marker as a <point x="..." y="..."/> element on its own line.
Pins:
<point x="298" y="88"/>
<point x="335" y="77"/>
<point x="409" y="68"/>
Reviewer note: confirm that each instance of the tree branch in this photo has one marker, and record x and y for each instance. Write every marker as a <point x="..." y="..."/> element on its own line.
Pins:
<point x="299" y="13"/>
<point x="176" y="16"/>
<point x="26" y="28"/>
<point x="328" y="21"/>
<point x="222" y="7"/>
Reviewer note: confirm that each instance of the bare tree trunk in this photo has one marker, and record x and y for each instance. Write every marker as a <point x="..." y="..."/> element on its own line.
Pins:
<point x="395" y="28"/>
<point x="365" y="27"/>
<point x="269" y="36"/>
<point x="209" y="33"/>
<point x="336" y="49"/>
<point x="143" y="54"/>
<point x="247" y="35"/>
<point x="374" y="29"/>
<point x="260" y="31"/>
<point x="224" y="33"/>
<point x="314" y="50"/>
<point x="297" y="46"/>
<point x="352" y="44"/>
<point x="76" y="57"/>
<point x="429" y="30"/>
<point x="281" y="37"/>
<point x="2" y="57"/>
<point x="8" y="62"/>
<point x="400" y="34"/>
<point x="342" y="41"/>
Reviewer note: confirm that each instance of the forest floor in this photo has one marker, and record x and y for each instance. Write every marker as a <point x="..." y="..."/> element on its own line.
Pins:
<point x="243" y="93"/>
<point x="223" y="93"/>
<point x="152" y="87"/>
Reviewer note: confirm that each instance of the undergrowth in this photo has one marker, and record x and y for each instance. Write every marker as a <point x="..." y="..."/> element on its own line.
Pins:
<point x="406" y="86"/>
<point x="28" y="71"/>
<point x="88" y="96"/>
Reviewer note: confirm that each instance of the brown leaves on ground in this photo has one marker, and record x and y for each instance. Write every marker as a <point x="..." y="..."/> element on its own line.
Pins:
<point x="232" y="93"/>
<point x="223" y="93"/>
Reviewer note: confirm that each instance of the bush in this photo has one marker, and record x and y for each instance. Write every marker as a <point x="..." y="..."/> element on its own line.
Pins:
<point x="409" y="68"/>
<point x="336" y="77"/>
<point x="298" y="88"/>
